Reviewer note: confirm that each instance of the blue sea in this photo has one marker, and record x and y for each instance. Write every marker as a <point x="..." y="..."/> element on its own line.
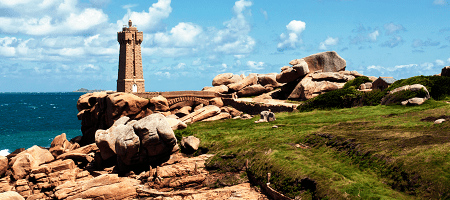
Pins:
<point x="28" y="119"/>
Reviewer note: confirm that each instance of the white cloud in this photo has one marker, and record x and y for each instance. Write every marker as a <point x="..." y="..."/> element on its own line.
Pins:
<point x="448" y="60"/>
<point x="328" y="42"/>
<point x="147" y="21"/>
<point x="163" y="74"/>
<point x="182" y="35"/>
<point x="392" y="28"/>
<point x="255" y="65"/>
<point x="439" y="2"/>
<point x="373" y="36"/>
<point x="439" y="62"/>
<point x="292" y="38"/>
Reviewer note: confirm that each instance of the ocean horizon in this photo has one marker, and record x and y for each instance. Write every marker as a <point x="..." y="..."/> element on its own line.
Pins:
<point x="35" y="118"/>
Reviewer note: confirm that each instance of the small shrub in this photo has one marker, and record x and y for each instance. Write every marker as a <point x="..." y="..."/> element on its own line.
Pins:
<point x="402" y="96"/>
<point x="438" y="86"/>
<point x="357" y="82"/>
<point x="341" y="98"/>
<point x="371" y="98"/>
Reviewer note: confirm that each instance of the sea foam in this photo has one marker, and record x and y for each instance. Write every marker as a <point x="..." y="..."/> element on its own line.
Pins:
<point x="4" y="152"/>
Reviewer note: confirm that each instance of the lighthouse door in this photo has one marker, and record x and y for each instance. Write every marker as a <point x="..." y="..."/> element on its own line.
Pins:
<point x="134" y="88"/>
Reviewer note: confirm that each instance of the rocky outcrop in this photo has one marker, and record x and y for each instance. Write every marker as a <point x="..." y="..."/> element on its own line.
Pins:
<point x="137" y="142"/>
<point x="251" y="79"/>
<point x="268" y="80"/>
<point x="226" y="79"/>
<point x="315" y="84"/>
<point x="328" y="61"/>
<point x="100" y="110"/>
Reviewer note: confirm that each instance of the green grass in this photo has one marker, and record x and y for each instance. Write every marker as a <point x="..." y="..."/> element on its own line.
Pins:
<point x="376" y="152"/>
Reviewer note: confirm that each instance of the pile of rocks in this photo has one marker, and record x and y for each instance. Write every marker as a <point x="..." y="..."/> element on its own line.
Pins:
<point x="99" y="111"/>
<point x="304" y="79"/>
<point x="68" y="171"/>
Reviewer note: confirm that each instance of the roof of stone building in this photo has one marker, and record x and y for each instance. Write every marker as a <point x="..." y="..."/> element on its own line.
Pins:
<point x="388" y="80"/>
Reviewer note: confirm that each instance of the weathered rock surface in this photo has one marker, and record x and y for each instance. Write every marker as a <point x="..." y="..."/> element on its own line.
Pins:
<point x="176" y="124"/>
<point x="328" y="61"/>
<point x="106" y="139"/>
<point x="252" y="90"/>
<point x="101" y="110"/>
<point x="201" y="114"/>
<point x="289" y="74"/>
<point x="413" y="88"/>
<point x="308" y="88"/>
<point x="226" y="79"/>
<point x="156" y="135"/>
<point x="251" y="79"/>
<point x="222" y="115"/>
<point x="107" y="186"/>
<point x="268" y="79"/>
<point x="414" y="101"/>
<point x="216" y="102"/>
<point x="11" y="195"/>
<point x="160" y="103"/>
<point x="59" y="145"/>
<point x="331" y="76"/>
<point x="190" y="143"/>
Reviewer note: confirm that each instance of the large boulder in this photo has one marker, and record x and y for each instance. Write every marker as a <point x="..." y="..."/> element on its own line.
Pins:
<point x="289" y="74"/>
<point x="413" y="88"/>
<point x="3" y="165"/>
<point x="308" y="89"/>
<point x="190" y="143"/>
<point x="22" y="165"/>
<point x="124" y="104"/>
<point x="328" y="61"/>
<point x="101" y="110"/>
<point x="106" y="139"/>
<point x="127" y="144"/>
<point x="226" y="79"/>
<point x="156" y="136"/>
<point x="161" y="103"/>
<point x="222" y="115"/>
<point x="268" y="79"/>
<point x="217" y="101"/>
<point x="252" y="90"/>
<point x="445" y="71"/>
<point x="251" y="79"/>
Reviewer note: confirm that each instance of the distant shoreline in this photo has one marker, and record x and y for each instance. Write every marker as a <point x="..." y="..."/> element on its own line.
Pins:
<point x="88" y="91"/>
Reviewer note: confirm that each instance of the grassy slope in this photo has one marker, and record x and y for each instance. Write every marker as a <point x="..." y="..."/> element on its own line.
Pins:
<point x="380" y="152"/>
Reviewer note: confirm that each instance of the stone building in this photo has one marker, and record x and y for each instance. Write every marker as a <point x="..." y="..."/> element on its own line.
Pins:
<point x="131" y="77"/>
<point x="382" y="83"/>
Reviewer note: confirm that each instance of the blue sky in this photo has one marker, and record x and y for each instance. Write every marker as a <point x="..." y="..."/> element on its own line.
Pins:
<point x="63" y="45"/>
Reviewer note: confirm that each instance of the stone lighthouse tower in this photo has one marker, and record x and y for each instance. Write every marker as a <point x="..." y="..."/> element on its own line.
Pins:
<point x="131" y="77"/>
